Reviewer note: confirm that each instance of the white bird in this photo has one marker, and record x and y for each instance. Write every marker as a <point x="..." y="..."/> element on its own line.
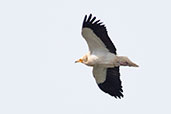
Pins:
<point x="102" y="57"/>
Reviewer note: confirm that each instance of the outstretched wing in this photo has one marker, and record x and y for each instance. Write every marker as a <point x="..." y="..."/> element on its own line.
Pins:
<point x="95" y="34"/>
<point x="108" y="80"/>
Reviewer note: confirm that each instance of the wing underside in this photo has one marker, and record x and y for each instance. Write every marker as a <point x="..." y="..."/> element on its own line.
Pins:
<point x="108" y="80"/>
<point x="95" y="34"/>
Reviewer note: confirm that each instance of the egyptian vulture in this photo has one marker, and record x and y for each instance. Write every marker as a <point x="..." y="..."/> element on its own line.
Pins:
<point x="102" y="57"/>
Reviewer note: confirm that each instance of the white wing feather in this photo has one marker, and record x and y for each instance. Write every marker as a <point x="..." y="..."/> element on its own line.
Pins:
<point x="94" y="43"/>
<point x="99" y="74"/>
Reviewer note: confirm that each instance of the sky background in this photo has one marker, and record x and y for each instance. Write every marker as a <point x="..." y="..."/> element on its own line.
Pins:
<point x="41" y="39"/>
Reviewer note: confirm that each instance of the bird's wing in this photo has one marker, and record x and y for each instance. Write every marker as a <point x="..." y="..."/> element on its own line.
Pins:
<point x="95" y="34"/>
<point x="108" y="80"/>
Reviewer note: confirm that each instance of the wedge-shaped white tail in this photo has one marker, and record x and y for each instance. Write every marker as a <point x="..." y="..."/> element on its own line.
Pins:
<point x="125" y="61"/>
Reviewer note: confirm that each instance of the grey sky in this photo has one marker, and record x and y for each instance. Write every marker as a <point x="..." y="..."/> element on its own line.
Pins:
<point x="40" y="40"/>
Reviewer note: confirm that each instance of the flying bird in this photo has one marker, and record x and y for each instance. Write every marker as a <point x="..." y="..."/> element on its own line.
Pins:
<point x="102" y="57"/>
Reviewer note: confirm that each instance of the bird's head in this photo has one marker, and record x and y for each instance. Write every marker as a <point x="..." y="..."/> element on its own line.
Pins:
<point x="83" y="59"/>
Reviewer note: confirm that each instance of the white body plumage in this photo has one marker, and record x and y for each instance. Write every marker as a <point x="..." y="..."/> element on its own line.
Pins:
<point x="102" y="57"/>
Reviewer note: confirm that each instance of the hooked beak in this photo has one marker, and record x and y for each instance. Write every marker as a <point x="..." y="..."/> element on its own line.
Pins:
<point x="79" y="61"/>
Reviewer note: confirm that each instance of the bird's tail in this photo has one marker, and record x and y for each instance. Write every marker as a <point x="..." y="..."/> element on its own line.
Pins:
<point x="125" y="61"/>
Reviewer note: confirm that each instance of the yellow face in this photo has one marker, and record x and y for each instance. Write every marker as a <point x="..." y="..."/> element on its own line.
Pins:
<point x="79" y="61"/>
<point x="84" y="59"/>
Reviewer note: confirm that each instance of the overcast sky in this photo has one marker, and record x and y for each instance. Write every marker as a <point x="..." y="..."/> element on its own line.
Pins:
<point x="40" y="40"/>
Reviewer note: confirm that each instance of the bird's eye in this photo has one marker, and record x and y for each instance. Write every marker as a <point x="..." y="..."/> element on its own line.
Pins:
<point x="86" y="59"/>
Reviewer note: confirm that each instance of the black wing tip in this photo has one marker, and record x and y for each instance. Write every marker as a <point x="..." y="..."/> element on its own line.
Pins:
<point x="119" y="96"/>
<point x="112" y="85"/>
<point x="115" y="93"/>
<point x="100" y="30"/>
<point x="85" y="18"/>
<point x="89" y="20"/>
